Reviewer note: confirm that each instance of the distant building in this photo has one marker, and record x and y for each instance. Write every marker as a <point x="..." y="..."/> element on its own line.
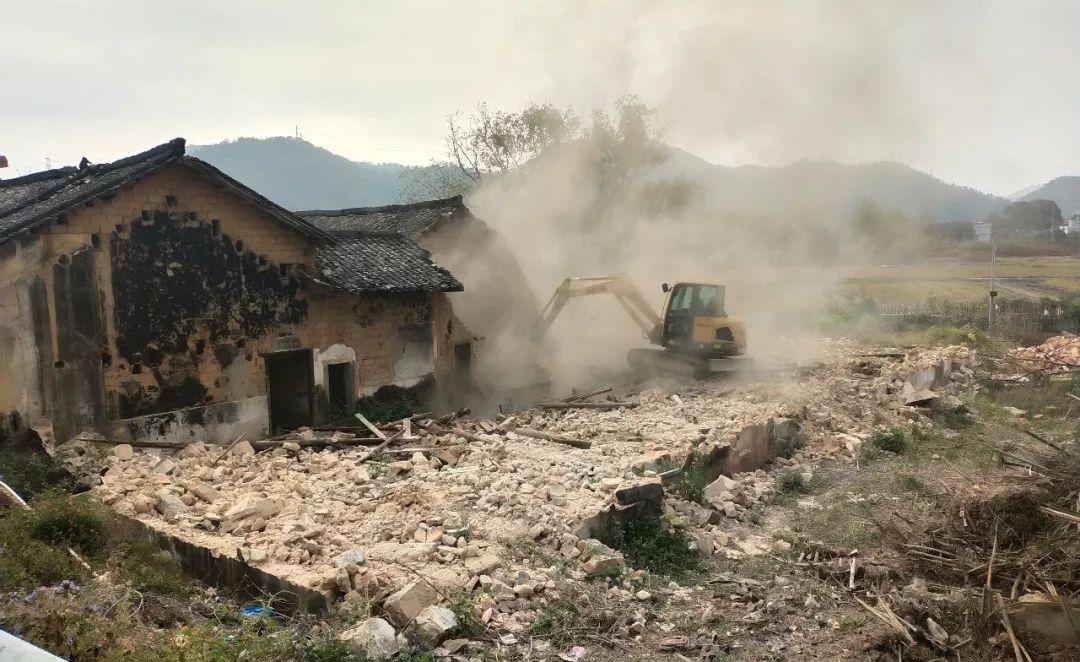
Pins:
<point x="984" y="231"/>
<point x="1072" y="224"/>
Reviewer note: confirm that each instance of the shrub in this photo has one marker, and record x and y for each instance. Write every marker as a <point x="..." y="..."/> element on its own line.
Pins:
<point x="61" y="520"/>
<point x="387" y="404"/>
<point x="956" y="335"/>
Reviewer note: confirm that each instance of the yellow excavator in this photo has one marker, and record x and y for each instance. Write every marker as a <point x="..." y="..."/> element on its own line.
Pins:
<point x="696" y="333"/>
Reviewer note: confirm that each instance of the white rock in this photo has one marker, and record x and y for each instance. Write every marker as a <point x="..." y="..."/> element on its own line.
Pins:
<point x="404" y="605"/>
<point x="375" y="637"/>
<point x="433" y="625"/>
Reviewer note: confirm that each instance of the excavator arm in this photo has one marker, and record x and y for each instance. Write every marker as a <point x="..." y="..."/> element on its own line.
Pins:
<point x="633" y="302"/>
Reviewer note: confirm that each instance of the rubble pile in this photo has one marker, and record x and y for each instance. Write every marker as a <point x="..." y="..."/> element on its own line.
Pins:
<point x="454" y="503"/>
<point x="1057" y="354"/>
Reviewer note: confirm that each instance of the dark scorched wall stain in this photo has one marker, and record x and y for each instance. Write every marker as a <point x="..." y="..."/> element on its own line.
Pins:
<point x="173" y="277"/>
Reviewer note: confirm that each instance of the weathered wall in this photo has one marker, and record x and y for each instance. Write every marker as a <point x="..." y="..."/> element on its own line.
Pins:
<point x="392" y="336"/>
<point x="164" y="298"/>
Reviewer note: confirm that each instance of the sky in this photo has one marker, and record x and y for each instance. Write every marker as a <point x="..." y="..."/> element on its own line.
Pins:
<point x="976" y="92"/>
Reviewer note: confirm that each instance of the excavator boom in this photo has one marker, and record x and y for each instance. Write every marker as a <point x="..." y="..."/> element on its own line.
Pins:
<point x="631" y="299"/>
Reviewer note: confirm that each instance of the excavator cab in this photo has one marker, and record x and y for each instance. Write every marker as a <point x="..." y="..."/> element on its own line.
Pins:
<point x="696" y="322"/>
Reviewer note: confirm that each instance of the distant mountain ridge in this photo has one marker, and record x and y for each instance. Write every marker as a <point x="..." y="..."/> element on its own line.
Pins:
<point x="299" y="175"/>
<point x="1065" y="191"/>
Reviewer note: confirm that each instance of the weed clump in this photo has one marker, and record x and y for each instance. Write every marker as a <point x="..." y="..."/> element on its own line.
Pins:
<point x="469" y="625"/>
<point x="956" y="335"/>
<point x="694" y="478"/>
<point x="792" y="484"/>
<point x="555" y="621"/>
<point x="890" y="441"/>
<point x="650" y="544"/>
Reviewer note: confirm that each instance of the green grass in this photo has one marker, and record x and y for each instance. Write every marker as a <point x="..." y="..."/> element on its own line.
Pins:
<point x="555" y="622"/>
<point x="890" y="441"/>
<point x="912" y="485"/>
<point x="956" y="335"/>
<point x="791" y="484"/>
<point x="35" y="544"/>
<point x="469" y="625"/>
<point x="694" y="478"/>
<point x="651" y="545"/>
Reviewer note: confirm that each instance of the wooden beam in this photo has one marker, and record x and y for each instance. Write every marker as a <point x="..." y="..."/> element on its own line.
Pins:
<point x="586" y="405"/>
<point x="588" y="394"/>
<point x="569" y="441"/>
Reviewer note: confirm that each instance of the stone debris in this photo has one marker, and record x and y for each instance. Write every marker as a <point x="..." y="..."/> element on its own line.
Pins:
<point x="433" y="624"/>
<point x="452" y="509"/>
<point x="168" y="504"/>
<point x="375" y="637"/>
<point x="407" y="603"/>
<point x="166" y="466"/>
<point x="242" y="449"/>
<point x="205" y="492"/>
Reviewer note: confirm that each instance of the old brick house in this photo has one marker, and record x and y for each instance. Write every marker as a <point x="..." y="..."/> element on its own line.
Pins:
<point x="497" y="314"/>
<point x="157" y="297"/>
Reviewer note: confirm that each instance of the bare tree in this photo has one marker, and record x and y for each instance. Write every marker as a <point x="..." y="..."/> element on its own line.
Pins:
<point x="489" y="143"/>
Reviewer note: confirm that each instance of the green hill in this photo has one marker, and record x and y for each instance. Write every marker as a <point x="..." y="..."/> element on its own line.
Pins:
<point x="298" y="175"/>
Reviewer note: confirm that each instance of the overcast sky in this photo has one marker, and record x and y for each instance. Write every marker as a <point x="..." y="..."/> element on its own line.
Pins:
<point x="980" y="93"/>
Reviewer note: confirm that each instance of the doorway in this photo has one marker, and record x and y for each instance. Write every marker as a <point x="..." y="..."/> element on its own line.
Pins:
<point x="339" y="387"/>
<point x="290" y="379"/>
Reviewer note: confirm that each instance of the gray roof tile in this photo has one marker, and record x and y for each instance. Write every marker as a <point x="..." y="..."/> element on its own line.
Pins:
<point x="411" y="220"/>
<point x="384" y="262"/>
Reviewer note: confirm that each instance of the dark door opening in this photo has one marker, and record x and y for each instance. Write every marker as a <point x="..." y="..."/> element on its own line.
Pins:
<point x="463" y="364"/>
<point x="290" y="385"/>
<point x="337" y="386"/>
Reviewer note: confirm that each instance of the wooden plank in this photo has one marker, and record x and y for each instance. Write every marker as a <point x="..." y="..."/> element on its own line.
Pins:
<point x="435" y="428"/>
<point x="386" y="442"/>
<point x="568" y="441"/>
<point x="369" y="425"/>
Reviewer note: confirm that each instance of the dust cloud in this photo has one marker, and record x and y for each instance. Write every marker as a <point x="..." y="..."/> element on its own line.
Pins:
<point x="751" y="82"/>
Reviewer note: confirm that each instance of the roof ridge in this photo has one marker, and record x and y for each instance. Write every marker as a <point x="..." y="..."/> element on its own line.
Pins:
<point x="174" y="147"/>
<point x="155" y="157"/>
<point x="384" y="209"/>
<point x="39" y="176"/>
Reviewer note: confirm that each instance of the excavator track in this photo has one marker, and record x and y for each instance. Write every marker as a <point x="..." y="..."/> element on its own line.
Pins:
<point x="645" y="360"/>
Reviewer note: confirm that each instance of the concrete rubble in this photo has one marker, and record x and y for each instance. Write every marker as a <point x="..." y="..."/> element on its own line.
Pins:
<point x="450" y="509"/>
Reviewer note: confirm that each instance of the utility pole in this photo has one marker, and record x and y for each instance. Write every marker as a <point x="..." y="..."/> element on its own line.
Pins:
<point x="993" y="288"/>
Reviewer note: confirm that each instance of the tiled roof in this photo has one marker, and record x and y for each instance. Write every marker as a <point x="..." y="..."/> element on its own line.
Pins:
<point x="411" y="220"/>
<point x="358" y="261"/>
<point x="382" y="262"/>
<point x="30" y="201"/>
